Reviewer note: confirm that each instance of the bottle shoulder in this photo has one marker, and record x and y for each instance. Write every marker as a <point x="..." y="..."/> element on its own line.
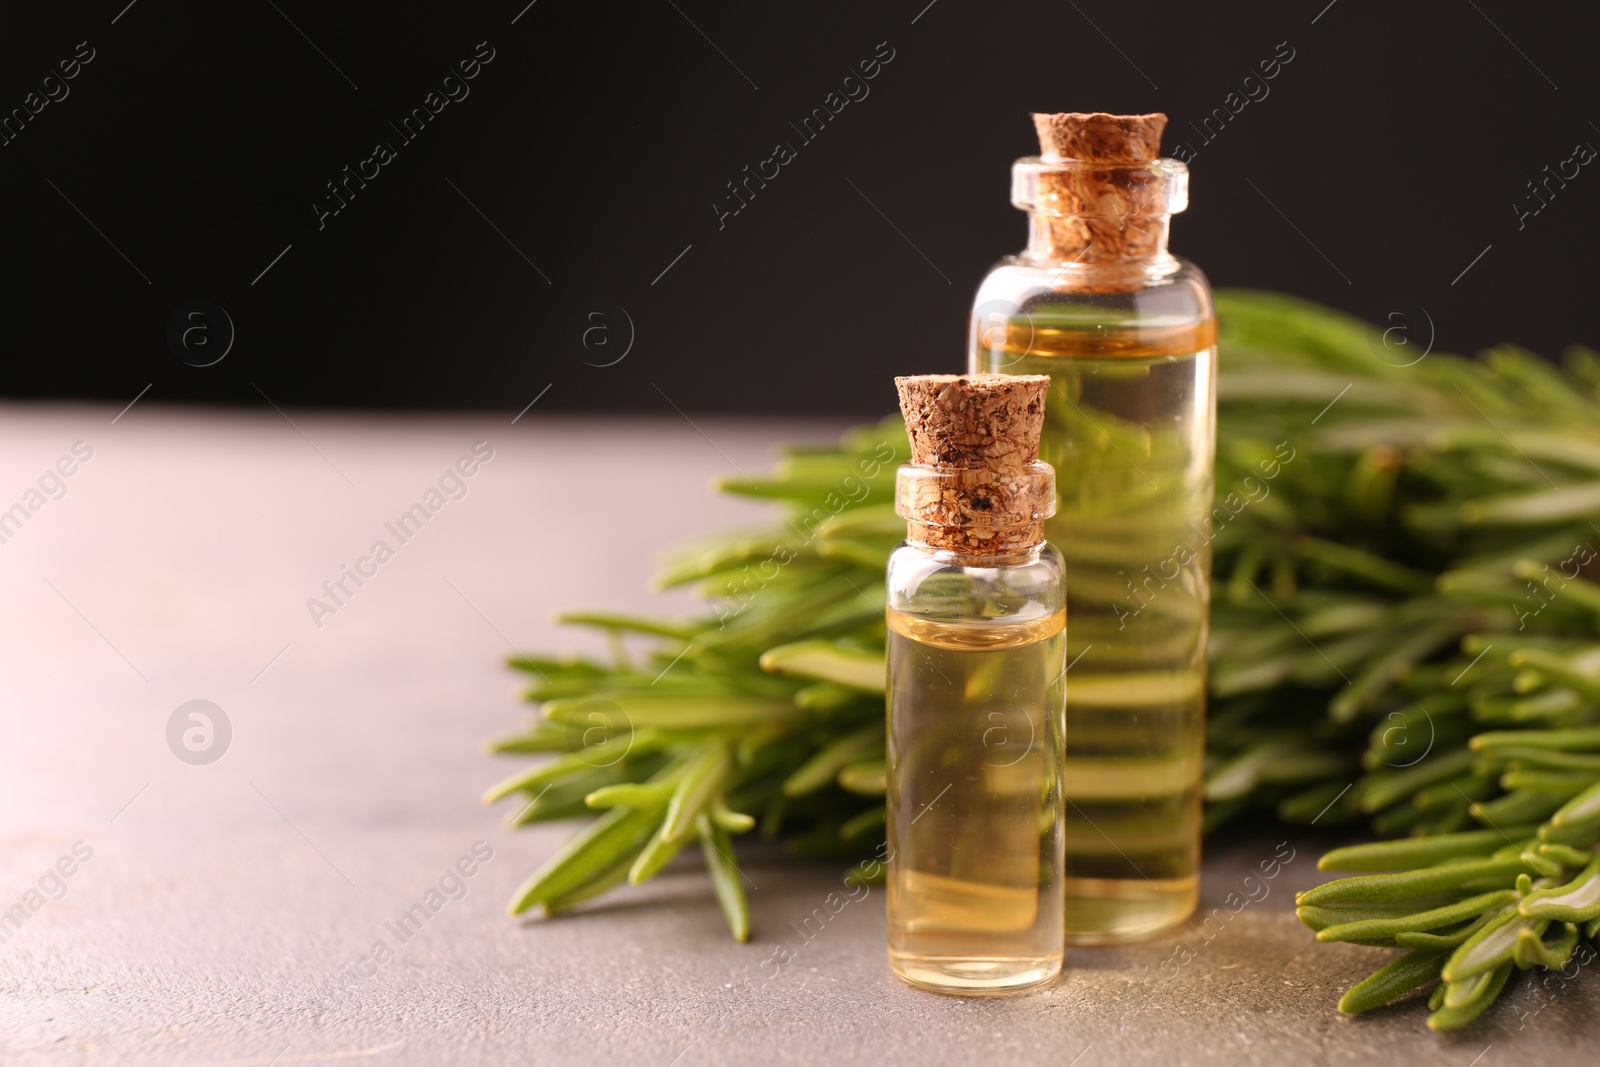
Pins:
<point x="914" y="556"/>
<point x="925" y="582"/>
<point x="1171" y="293"/>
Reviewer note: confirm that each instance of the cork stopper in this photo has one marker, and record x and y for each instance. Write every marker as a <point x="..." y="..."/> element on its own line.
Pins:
<point x="974" y="421"/>
<point x="1102" y="214"/>
<point x="975" y="484"/>
<point x="1095" y="137"/>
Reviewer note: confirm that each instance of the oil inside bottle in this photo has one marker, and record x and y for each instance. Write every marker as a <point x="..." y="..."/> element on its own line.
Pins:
<point x="1129" y="433"/>
<point x="974" y="742"/>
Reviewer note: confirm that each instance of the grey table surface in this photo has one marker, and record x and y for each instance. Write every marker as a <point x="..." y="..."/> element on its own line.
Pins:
<point x="230" y="913"/>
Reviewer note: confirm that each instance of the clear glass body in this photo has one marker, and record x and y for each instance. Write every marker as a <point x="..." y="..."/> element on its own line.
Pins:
<point x="1129" y="343"/>
<point x="975" y="713"/>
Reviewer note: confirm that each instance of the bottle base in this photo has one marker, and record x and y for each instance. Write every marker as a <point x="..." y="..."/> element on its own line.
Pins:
<point x="974" y="976"/>
<point x="1114" y="911"/>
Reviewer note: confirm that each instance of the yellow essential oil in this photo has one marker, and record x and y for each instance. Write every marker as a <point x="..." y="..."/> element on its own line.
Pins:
<point x="975" y="735"/>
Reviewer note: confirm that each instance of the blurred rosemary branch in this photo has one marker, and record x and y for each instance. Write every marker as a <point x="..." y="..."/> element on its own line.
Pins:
<point x="1404" y="633"/>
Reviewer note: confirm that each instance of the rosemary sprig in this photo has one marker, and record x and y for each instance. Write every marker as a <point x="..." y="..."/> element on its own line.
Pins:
<point x="1405" y="632"/>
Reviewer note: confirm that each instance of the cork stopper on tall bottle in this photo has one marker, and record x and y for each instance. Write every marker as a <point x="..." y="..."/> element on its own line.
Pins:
<point x="1108" y="212"/>
<point x="975" y="484"/>
<point x="1095" y="137"/>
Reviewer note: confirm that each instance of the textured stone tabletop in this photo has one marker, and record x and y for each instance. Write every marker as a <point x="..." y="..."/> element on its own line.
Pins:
<point x="180" y="912"/>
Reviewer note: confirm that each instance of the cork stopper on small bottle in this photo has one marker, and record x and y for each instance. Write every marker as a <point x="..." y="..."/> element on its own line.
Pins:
<point x="975" y="484"/>
<point x="1103" y="214"/>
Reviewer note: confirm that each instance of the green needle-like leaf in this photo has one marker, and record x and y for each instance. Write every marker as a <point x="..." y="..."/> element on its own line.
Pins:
<point x="725" y="878"/>
<point x="1402" y="885"/>
<point x="829" y="663"/>
<point x="656" y="855"/>
<point x="1489" y="947"/>
<point x="1576" y="902"/>
<point x="1394" y="979"/>
<point x="591" y="855"/>
<point x="1534" y="951"/>
<point x="701" y="779"/>
<point x="820" y="770"/>
<point x="1411" y="852"/>
<point x="1582" y="808"/>
<point x="1431" y="919"/>
<point x="1466" y="1000"/>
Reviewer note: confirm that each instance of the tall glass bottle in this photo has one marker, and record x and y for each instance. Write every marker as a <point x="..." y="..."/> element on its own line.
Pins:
<point x="975" y="706"/>
<point x="1127" y="334"/>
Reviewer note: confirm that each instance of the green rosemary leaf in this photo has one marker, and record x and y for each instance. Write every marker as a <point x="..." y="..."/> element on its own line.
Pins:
<point x="813" y="487"/>
<point x="872" y="819"/>
<point x="1582" y="591"/>
<point x="1316" y="803"/>
<point x="1521" y="806"/>
<point x="1587" y="739"/>
<point x="1432" y="919"/>
<point x="1542" y="506"/>
<point x="638" y="624"/>
<point x="554" y="666"/>
<point x="1382" y="671"/>
<point x="1436" y="998"/>
<point x="1490" y="947"/>
<point x="1439" y="942"/>
<point x="657" y="853"/>
<point x="1581" y="808"/>
<point x="1463" y="790"/>
<point x="1565" y="855"/>
<point x="610" y="880"/>
<point x="541" y="737"/>
<point x="674" y="712"/>
<point x="592" y="855"/>
<point x="1393" y="980"/>
<point x="734" y="822"/>
<point x="626" y="795"/>
<point x="1552" y="782"/>
<point x="1579" y="835"/>
<point x="726" y="880"/>
<point x="868" y="778"/>
<point x="531" y="780"/>
<point x="1576" y="902"/>
<point x="567" y="799"/>
<point x="1461" y="1002"/>
<point x="1373" y="888"/>
<point x="1551" y="758"/>
<point x="827" y="696"/>
<point x="1364" y="565"/>
<point x="1381" y="789"/>
<point x="873" y="554"/>
<point x="558" y="803"/>
<point x="1564" y="669"/>
<point x="874" y="521"/>
<point x="1553" y="954"/>
<point x="701" y="779"/>
<point x="827" y="662"/>
<point x="821" y="769"/>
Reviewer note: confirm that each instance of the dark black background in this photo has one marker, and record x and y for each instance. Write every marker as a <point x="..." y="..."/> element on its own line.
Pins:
<point x="1397" y="141"/>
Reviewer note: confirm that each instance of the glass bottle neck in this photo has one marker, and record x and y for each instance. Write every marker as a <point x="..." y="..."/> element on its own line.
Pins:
<point x="1007" y="545"/>
<point x="1089" y="242"/>
<point x="975" y="512"/>
<point x="1097" y="218"/>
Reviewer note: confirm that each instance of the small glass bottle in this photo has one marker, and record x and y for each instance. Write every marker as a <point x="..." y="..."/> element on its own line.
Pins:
<point x="1127" y="334"/>
<point x="975" y="693"/>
